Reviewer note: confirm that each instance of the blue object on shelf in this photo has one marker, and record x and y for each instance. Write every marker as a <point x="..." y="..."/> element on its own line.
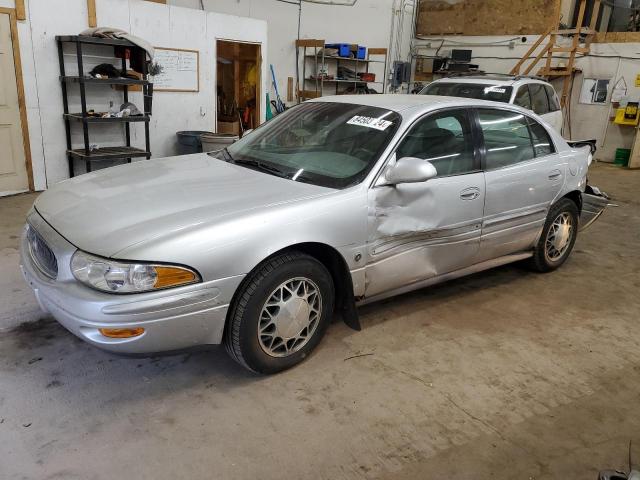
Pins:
<point x="344" y="49"/>
<point x="362" y="53"/>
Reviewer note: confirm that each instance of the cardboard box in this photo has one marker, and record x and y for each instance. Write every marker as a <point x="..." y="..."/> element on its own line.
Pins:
<point x="229" y="127"/>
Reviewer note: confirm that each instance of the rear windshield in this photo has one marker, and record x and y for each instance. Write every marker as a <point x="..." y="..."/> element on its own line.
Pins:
<point x="495" y="93"/>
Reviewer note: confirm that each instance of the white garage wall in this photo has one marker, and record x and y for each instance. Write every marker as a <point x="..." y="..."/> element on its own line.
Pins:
<point x="366" y="23"/>
<point x="613" y="61"/>
<point x="163" y="26"/>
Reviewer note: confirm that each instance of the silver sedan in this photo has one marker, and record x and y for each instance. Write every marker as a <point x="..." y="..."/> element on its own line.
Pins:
<point x="335" y="203"/>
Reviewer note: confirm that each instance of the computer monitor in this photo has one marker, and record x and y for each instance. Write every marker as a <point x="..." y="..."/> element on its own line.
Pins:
<point x="461" y="56"/>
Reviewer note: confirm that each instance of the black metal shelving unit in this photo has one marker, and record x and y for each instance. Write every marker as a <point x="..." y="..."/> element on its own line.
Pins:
<point x="86" y="154"/>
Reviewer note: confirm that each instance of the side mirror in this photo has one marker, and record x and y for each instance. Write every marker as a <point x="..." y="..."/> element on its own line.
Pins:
<point x="410" y="170"/>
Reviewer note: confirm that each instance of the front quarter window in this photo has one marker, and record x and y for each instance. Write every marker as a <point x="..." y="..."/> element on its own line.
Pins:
<point x="329" y="144"/>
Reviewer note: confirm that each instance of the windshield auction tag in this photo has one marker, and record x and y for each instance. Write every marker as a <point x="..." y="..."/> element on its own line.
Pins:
<point x="370" y="122"/>
<point x="495" y="90"/>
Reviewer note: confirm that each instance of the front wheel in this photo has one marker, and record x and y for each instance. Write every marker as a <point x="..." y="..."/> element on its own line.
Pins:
<point x="558" y="236"/>
<point x="281" y="313"/>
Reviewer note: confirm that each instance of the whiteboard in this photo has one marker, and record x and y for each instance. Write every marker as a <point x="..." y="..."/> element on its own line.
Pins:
<point x="180" y="70"/>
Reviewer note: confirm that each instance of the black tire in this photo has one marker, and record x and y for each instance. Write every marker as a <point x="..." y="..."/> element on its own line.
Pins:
<point x="540" y="261"/>
<point x="241" y="336"/>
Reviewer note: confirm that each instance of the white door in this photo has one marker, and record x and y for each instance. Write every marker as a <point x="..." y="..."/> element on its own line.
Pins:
<point x="13" y="168"/>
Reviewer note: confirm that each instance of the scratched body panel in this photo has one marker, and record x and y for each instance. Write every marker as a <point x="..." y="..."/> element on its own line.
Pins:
<point x="418" y="231"/>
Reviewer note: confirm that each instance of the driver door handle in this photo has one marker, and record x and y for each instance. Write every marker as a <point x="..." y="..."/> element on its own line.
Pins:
<point x="470" y="193"/>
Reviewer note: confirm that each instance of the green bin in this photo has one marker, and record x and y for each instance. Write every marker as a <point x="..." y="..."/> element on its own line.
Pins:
<point x="622" y="156"/>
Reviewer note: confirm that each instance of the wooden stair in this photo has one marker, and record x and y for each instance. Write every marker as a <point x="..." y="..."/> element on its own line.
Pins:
<point x="550" y="41"/>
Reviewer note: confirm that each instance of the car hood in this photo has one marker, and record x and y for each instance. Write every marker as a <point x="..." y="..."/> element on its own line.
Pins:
<point x="107" y="211"/>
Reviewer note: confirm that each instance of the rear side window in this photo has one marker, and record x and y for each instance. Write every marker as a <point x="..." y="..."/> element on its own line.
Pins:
<point x="554" y="105"/>
<point x="539" y="98"/>
<point x="506" y="138"/>
<point x="542" y="143"/>
<point x="523" y="99"/>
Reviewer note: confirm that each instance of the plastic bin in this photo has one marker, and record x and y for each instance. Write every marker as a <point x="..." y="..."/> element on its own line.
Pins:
<point x="622" y="156"/>
<point x="212" y="142"/>
<point x="344" y="49"/>
<point x="362" y="53"/>
<point x="189" y="141"/>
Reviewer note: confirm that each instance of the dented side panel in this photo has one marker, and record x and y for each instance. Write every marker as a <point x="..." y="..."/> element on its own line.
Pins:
<point x="418" y="231"/>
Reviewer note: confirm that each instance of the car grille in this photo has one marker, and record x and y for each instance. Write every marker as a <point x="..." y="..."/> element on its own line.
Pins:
<point x="41" y="254"/>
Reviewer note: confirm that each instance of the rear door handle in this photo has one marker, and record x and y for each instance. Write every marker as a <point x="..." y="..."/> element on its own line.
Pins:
<point x="555" y="174"/>
<point x="470" y="193"/>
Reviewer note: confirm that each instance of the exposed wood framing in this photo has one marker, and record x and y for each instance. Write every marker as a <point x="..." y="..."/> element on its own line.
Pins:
<point x="485" y="17"/>
<point x="91" y="12"/>
<point x="21" y="13"/>
<point x="20" y="86"/>
<point x="551" y="36"/>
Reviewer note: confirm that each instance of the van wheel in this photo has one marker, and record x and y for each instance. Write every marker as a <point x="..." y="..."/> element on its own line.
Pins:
<point x="558" y="237"/>
<point x="281" y="313"/>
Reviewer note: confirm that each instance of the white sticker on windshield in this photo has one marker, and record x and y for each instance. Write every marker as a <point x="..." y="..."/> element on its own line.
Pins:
<point x="495" y="90"/>
<point x="370" y="122"/>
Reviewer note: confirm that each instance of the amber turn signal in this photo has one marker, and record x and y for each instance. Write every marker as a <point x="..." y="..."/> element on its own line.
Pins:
<point x="172" y="277"/>
<point x="121" y="332"/>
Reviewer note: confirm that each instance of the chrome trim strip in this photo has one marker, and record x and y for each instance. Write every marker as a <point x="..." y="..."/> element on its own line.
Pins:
<point x="496" y="262"/>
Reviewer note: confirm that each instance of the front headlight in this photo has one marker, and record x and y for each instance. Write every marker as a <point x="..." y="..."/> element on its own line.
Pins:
<point x="118" y="277"/>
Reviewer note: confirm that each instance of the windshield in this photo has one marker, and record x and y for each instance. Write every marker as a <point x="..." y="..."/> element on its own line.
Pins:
<point x="333" y="145"/>
<point x="495" y="93"/>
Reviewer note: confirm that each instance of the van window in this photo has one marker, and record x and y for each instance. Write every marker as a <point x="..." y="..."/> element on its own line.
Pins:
<point x="554" y="105"/>
<point x="539" y="98"/>
<point x="523" y="98"/>
<point x="495" y="93"/>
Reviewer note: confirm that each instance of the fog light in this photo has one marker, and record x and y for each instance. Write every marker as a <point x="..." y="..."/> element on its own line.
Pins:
<point x="121" y="332"/>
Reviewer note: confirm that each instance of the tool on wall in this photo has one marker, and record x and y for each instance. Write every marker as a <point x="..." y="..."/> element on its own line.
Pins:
<point x="277" y="103"/>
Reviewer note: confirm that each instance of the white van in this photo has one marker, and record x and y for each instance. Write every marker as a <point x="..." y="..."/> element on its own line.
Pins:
<point x="532" y="93"/>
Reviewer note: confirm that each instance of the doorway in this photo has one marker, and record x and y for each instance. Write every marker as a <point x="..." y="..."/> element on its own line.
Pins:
<point x="14" y="175"/>
<point x="238" y="86"/>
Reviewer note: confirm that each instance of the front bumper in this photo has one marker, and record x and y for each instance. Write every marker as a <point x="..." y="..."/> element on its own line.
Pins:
<point x="173" y="319"/>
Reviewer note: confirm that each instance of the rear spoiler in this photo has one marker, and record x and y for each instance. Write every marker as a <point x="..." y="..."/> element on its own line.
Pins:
<point x="584" y="143"/>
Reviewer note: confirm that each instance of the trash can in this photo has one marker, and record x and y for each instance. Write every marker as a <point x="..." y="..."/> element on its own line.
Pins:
<point x="189" y="141"/>
<point x="212" y="142"/>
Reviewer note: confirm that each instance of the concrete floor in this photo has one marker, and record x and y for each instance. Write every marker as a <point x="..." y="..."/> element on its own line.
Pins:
<point x="505" y="374"/>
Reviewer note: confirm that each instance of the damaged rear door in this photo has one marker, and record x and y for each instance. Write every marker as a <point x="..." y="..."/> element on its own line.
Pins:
<point x="421" y="230"/>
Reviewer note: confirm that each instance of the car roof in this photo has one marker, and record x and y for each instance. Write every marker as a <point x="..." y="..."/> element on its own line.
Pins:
<point x="403" y="102"/>
<point x="501" y="80"/>
<point x="390" y="101"/>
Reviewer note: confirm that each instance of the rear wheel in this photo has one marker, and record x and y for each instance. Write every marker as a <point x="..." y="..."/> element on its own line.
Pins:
<point x="558" y="236"/>
<point x="281" y="313"/>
